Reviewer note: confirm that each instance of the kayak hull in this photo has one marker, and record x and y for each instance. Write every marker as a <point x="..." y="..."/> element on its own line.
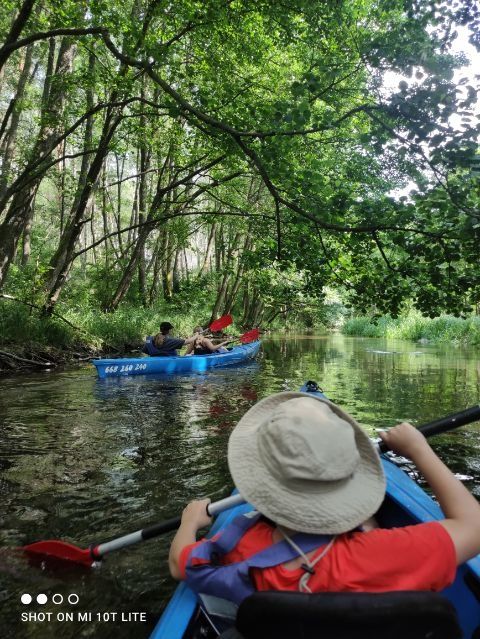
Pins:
<point x="406" y="503"/>
<point x="173" y="365"/>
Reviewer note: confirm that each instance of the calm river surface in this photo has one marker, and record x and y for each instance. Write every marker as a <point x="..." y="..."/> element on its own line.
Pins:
<point x="84" y="460"/>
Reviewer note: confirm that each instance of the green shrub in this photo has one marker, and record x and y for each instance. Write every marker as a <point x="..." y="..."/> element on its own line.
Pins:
<point x="362" y="326"/>
<point x="413" y="326"/>
<point x="23" y="326"/>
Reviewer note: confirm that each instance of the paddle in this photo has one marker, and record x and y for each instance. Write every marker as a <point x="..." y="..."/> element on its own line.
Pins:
<point x="69" y="552"/>
<point x="221" y="323"/>
<point x="249" y="336"/>
<point x="436" y="427"/>
<point x="95" y="552"/>
<point x="445" y="423"/>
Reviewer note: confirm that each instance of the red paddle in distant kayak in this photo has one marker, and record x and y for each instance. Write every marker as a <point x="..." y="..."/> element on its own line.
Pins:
<point x="221" y="323"/>
<point x="250" y="336"/>
<point x="226" y="320"/>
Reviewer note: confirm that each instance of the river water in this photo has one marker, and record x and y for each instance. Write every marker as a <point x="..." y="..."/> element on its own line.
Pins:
<point x="84" y="460"/>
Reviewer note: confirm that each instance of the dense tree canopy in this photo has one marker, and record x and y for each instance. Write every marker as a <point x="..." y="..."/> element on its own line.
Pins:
<point x="247" y="150"/>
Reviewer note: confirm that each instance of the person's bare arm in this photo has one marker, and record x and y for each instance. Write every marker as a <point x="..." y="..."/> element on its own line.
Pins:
<point x="461" y="509"/>
<point x="194" y="517"/>
<point x="217" y="346"/>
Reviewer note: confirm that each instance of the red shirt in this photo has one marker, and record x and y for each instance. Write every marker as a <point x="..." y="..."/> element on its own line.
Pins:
<point x="419" y="557"/>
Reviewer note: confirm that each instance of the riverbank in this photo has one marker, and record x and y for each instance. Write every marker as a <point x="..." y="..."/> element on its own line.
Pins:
<point x="414" y="327"/>
<point x="15" y="359"/>
<point x="29" y="341"/>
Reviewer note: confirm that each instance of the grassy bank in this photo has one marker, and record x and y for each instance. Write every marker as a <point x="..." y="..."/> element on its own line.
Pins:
<point x="30" y="341"/>
<point x="124" y="329"/>
<point x="415" y="327"/>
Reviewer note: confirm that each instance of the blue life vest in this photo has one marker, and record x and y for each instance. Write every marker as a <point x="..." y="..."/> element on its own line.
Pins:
<point x="150" y="349"/>
<point x="232" y="581"/>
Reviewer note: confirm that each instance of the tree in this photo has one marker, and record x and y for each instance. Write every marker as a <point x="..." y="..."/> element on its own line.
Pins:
<point x="204" y="100"/>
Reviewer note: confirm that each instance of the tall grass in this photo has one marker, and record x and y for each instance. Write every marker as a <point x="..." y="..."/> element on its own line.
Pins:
<point x="415" y="327"/>
<point x="122" y="330"/>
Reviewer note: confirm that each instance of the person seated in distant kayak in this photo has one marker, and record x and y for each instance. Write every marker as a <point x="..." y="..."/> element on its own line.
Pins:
<point x="316" y="478"/>
<point x="163" y="344"/>
<point x="202" y="345"/>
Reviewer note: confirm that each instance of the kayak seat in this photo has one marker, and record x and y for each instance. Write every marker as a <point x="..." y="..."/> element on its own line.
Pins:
<point x="393" y="615"/>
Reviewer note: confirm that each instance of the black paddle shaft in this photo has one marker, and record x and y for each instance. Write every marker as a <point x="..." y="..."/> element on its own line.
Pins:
<point x="158" y="529"/>
<point x="446" y="423"/>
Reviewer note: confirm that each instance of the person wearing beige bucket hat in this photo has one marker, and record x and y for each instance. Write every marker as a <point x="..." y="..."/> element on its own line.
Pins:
<point x="310" y="479"/>
<point x="316" y="479"/>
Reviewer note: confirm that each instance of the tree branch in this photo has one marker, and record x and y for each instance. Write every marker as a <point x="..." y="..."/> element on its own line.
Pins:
<point x="376" y="239"/>
<point x="32" y="362"/>
<point x="25" y="174"/>
<point x="157" y="222"/>
<point x="10" y="46"/>
<point x="15" y="30"/>
<point x="213" y="122"/>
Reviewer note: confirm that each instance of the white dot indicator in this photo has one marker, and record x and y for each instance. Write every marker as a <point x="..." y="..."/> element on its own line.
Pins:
<point x="42" y="599"/>
<point x="26" y="598"/>
<point x="73" y="598"/>
<point x="57" y="598"/>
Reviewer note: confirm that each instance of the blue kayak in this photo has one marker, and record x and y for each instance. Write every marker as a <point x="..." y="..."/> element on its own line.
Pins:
<point x="174" y="365"/>
<point x="405" y="504"/>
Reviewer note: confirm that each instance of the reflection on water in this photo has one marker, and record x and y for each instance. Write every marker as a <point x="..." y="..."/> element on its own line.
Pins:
<point x="84" y="460"/>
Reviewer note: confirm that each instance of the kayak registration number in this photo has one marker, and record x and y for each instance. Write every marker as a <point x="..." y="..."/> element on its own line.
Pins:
<point x="125" y="368"/>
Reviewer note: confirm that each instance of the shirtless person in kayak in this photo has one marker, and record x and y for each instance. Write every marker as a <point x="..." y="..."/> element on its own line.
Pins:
<point x="202" y="345"/>
<point x="315" y="477"/>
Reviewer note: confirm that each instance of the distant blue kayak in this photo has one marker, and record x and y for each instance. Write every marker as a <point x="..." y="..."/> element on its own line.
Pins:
<point x="174" y="365"/>
<point x="405" y="503"/>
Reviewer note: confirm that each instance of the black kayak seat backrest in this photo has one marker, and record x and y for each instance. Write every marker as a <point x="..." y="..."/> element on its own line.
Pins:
<point x="393" y="615"/>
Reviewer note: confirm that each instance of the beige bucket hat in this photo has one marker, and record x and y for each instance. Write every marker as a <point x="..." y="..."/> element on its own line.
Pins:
<point x="306" y="464"/>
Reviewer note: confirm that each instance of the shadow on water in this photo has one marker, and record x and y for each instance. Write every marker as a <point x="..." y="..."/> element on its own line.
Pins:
<point x="83" y="459"/>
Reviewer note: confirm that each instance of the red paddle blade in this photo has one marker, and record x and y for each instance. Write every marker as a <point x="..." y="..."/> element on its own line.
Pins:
<point x="60" y="550"/>
<point x="221" y="322"/>
<point x="250" y="336"/>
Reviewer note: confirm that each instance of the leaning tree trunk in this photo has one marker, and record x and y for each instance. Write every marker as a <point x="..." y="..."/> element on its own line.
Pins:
<point x="19" y="210"/>
<point x="211" y="236"/>
<point x="139" y="250"/>
<point x="167" y="269"/>
<point x="161" y="194"/>
<point x="177" y="268"/>
<point x="129" y="272"/>
<point x="14" y="110"/>
<point x="231" y="296"/>
<point x="159" y="252"/>
<point x="222" y="291"/>
<point x="15" y="30"/>
<point x="142" y="212"/>
<point x="218" y="247"/>
<point x="245" y="304"/>
<point x="61" y="262"/>
<point x="220" y="297"/>
<point x="27" y="233"/>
